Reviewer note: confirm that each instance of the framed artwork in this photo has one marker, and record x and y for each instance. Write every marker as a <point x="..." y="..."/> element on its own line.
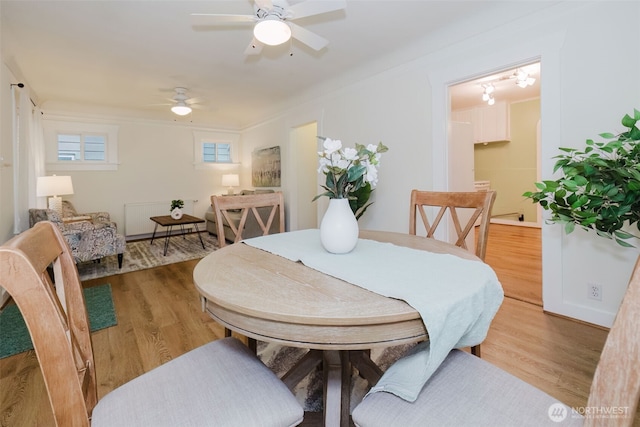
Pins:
<point x="265" y="167"/>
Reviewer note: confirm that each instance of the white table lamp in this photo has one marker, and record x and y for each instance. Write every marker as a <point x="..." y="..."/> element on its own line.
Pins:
<point x="230" y="180"/>
<point x="54" y="186"/>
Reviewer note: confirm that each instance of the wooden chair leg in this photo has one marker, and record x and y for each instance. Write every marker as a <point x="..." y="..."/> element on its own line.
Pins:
<point x="475" y="350"/>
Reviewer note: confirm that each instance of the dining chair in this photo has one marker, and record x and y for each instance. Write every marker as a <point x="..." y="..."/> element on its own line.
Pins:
<point x="458" y="204"/>
<point x="264" y="208"/>
<point x="220" y="383"/>
<point x="481" y="202"/>
<point x="466" y="390"/>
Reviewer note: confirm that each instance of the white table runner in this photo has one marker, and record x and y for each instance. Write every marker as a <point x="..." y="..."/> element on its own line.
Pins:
<point x="457" y="298"/>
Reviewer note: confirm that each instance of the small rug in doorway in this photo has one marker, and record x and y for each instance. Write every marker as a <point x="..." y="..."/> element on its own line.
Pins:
<point x="141" y="254"/>
<point x="15" y="338"/>
<point x="308" y="392"/>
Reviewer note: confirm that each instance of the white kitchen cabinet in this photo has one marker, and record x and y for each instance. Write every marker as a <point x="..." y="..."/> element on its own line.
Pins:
<point x="490" y="122"/>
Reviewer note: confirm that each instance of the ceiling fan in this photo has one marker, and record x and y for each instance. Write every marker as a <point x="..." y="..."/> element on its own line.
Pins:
<point x="181" y="103"/>
<point x="273" y="22"/>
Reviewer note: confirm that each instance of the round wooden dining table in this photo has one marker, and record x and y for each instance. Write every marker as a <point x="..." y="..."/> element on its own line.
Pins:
<point x="270" y="298"/>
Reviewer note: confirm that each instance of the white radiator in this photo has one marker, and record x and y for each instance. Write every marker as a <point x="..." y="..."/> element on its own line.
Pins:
<point x="136" y="215"/>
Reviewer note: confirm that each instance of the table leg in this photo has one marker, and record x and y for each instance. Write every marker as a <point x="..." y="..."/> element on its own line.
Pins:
<point x="153" y="236"/>
<point x="302" y="368"/>
<point x="166" y="240"/>
<point x="199" y="236"/>
<point x="336" y="369"/>
<point x="366" y="367"/>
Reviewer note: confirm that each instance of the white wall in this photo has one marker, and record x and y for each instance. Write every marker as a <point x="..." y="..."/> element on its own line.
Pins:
<point x="581" y="44"/>
<point x="156" y="163"/>
<point x="6" y="155"/>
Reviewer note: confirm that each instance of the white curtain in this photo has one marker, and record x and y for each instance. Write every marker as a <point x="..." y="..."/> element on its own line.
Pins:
<point x="37" y="158"/>
<point x="28" y="158"/>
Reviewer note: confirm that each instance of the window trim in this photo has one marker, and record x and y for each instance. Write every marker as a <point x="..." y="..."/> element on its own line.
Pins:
<point x="202" y="137"/>
<point x="52" y="128"/>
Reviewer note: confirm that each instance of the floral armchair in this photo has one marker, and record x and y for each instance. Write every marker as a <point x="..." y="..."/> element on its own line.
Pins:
<point x="91" y="236"/>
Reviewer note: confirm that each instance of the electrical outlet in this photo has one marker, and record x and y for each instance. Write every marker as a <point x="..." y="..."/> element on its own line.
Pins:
<point x="594" y="291"/>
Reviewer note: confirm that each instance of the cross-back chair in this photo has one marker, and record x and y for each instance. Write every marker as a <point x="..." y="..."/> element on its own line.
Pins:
<point x="266" y="208"/>
<point x="457" y="204"/>
<point x="221" y="383"/>
<point x="466" y="390"/>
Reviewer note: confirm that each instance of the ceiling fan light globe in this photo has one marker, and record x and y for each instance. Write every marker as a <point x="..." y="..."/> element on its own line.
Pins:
<point x="181" y="110"/>
<point x="272" y="31"/>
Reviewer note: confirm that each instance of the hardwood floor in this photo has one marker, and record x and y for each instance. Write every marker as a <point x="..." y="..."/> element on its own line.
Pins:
<point x="159" y="318"/>
<point x="515" y="253"/>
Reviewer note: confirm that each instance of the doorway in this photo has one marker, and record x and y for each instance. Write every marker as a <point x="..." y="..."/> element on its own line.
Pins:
<point x="303" y="153"/>
<point x="503" y="111"/>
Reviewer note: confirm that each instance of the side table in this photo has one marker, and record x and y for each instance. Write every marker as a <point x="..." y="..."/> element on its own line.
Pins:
<point x="168" y="221"/>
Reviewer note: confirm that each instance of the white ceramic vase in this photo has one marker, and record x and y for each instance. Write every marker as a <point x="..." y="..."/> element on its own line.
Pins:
<point x="176" y="213"/>
<point x="339" y="228"/>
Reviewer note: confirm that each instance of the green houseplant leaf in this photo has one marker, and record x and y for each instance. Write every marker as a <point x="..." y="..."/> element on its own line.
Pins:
<point x="599" y="187"/>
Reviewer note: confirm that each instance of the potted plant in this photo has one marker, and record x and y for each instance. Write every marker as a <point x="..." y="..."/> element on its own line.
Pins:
<point x="176" y="209"/>
<point x="351" y="175"/>
<point x="600" y="185"/>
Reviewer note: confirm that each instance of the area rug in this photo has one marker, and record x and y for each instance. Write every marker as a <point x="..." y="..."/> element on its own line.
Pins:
<point x="14" y="336"/>
<point x="141" y="255"/>
<point x="308" y="392"/>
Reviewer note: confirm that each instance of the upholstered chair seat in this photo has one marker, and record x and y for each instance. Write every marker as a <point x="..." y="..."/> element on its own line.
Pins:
<point x="91" y="236"/>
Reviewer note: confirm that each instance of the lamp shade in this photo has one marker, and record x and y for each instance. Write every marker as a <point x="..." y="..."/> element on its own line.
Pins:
<point x="53" y="186"/>
<point x="230" y="180"/>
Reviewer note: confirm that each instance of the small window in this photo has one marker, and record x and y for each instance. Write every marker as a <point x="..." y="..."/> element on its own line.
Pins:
<point x="81" y="147"/>
<point x="213" y="152"/>
<point x="76" y="146"/>
<point x="216" y="150"/>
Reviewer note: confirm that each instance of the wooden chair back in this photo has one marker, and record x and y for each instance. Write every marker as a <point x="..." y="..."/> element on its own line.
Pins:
<point x="616" y="383"/>
<point x="222" y="205"/>
<point x="454" y="202"/>
<point x="56" y="317"/>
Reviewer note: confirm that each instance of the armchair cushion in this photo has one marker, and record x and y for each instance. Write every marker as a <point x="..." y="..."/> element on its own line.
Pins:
<point x="89" y="239"/>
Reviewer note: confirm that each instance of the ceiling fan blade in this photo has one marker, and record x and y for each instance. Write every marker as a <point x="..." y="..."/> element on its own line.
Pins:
<point x="316" y="7"/>
<point x="254" y="48"/>
<point x="209" y="19"/>
<point x="264" y="4"/>
<point x="307" y="37"/>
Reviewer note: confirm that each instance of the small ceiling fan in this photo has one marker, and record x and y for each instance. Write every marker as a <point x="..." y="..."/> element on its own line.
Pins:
<point x="273" y="22"/>
<point x="181" y="104"/>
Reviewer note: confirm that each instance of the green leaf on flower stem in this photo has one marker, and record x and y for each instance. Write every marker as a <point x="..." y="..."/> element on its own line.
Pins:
<point x="569" y="184"/>
<point x="359" y="198"/>
<point x="568" y="150"/>
<point x="582" y="200"/>
<point x="356" y="172"/>
<point x="580" y="180"/>
<point x="607" y="135"/>
<point x="628" y="121"/>
<point x="569" y="227"/>
<point x="624" y="244"/>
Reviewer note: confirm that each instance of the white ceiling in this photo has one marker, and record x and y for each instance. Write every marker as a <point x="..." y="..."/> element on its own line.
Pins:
<point x="129" y="55"/>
